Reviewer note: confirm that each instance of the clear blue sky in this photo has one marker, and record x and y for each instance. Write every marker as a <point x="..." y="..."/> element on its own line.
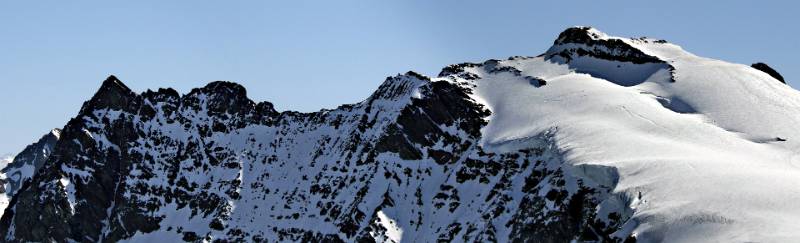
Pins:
<point x="304" y="55"/>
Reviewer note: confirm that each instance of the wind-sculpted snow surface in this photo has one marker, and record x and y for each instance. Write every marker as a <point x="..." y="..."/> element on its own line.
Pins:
<point x="599" y="139"/>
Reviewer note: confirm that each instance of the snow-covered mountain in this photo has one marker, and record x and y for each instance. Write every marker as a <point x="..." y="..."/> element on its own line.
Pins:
<point x="21" y="168"/>
<point x="600" y="138"/>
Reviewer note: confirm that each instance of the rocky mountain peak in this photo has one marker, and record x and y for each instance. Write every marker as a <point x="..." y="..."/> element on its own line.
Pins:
<point x="225" y="88"/>
<point x="113" y="94"/>
<point x="162" y="95"/>
<point x="578" y="34"/>
<point x="27" y="162"/>
<point x="222" y="97"/>
<point x="399" y="85"/>
<point x="37" y="151"/>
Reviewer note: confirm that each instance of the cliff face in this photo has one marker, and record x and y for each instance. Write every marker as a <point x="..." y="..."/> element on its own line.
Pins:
<point x="28" y="161"/>
<point x="24" y="165"/>
<point x="213" y="164"/>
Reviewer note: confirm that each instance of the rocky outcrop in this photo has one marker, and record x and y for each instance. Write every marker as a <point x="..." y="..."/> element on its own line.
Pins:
<point x="585" y="41"/>
<point x="589" y="51"/>
<point x="768" y="70"/>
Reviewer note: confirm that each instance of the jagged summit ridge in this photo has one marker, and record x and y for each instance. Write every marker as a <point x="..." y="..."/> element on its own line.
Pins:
<point x="224" y="96"/>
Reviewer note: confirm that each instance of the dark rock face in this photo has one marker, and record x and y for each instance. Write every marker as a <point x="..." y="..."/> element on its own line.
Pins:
<point x="595" y="46"/>
<point x="27" y="162"/>
<point x="767" y="69"/>
<point x="578" y="44"/>
<point x="214" y="165"/>
<point x="113" y="94"/>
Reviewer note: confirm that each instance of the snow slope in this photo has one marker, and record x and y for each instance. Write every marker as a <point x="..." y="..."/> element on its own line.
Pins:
<point x="714" y="169"/>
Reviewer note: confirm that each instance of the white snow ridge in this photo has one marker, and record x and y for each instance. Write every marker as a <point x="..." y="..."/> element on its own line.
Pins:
<point x="708" y="150"/>
<point x="599" y="139"/>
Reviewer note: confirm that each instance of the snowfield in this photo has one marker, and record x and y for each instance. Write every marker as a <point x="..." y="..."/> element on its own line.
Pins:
<point x="715" y="168"/>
